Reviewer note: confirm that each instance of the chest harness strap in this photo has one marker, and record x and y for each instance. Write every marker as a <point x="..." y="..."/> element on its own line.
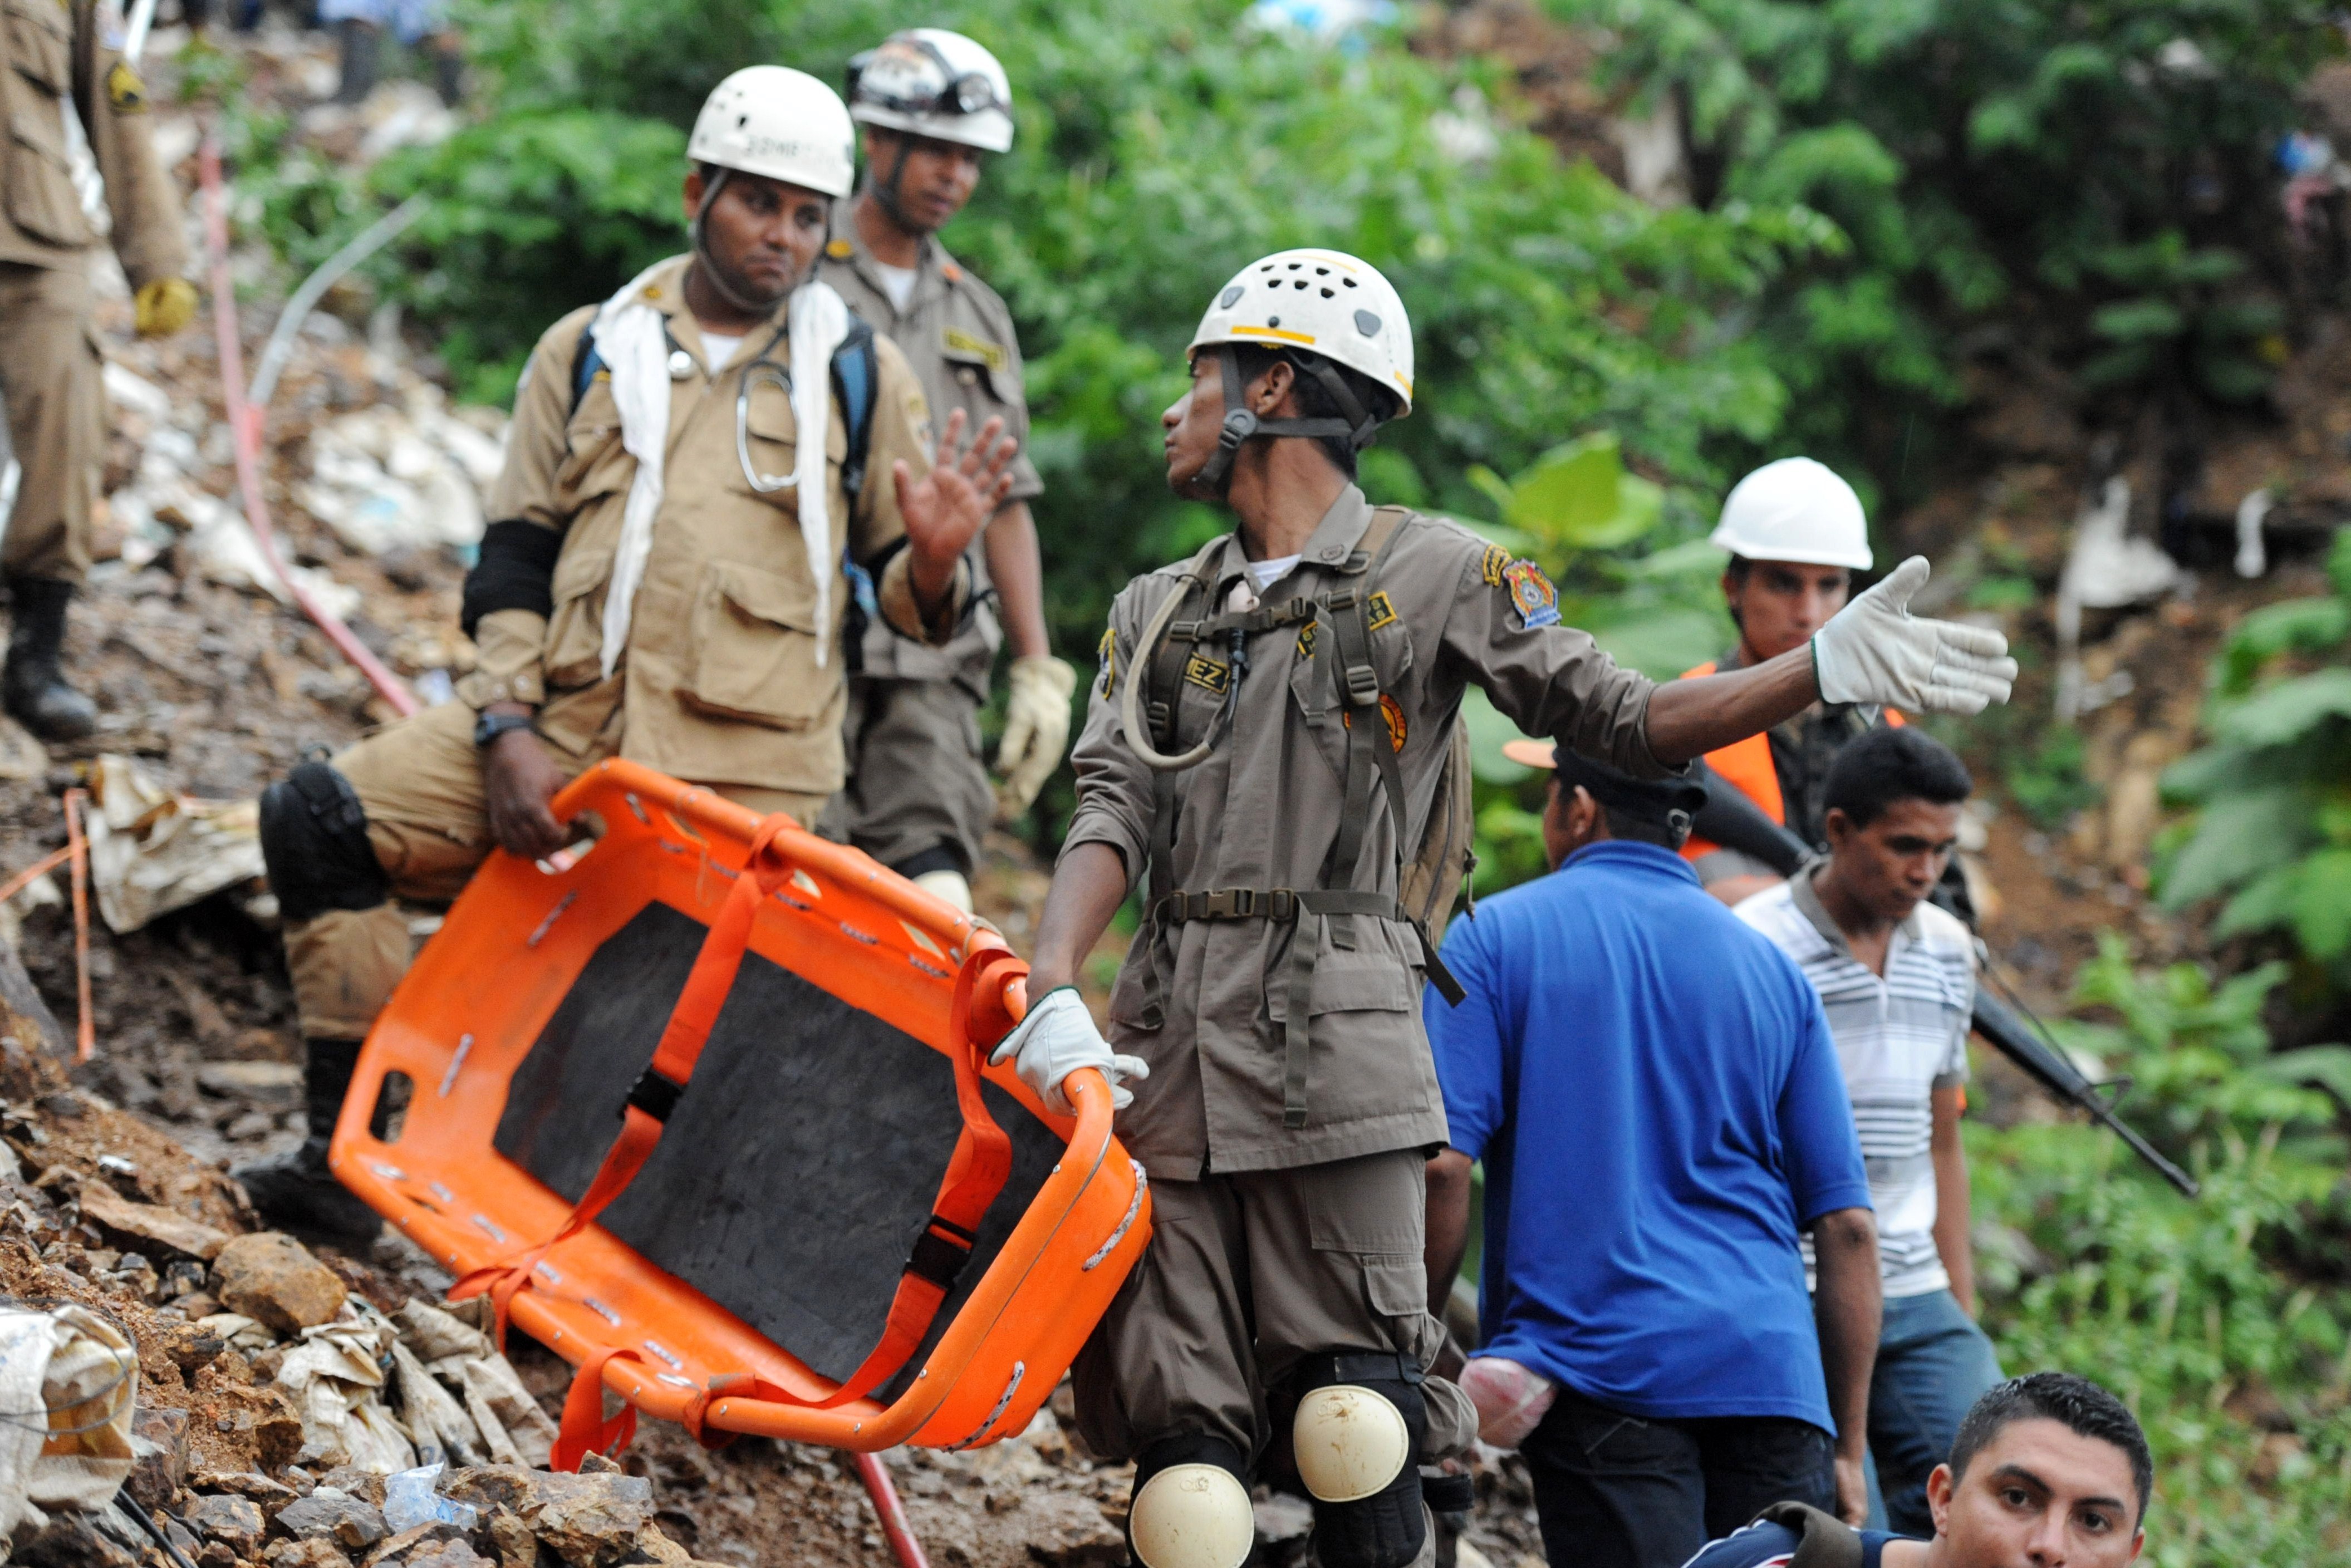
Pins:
<point x="1345" y="667"/>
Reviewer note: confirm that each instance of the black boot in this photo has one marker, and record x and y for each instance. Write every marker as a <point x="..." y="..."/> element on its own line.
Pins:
<point x="32" y="689"/>
<point x="363" y="46"/>
<point x="296" y="1191"/>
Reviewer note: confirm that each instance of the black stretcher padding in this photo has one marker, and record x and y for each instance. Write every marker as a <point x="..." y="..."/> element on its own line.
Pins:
<point x="797" y="1171"/>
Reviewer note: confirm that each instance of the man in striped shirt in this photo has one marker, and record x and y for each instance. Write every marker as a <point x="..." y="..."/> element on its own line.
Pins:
<point x="1896" y="978"/>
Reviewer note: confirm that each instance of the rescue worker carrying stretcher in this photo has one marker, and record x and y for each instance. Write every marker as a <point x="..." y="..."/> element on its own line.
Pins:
<point x="60" y="58"/>
<point x="1266" y="734"/>
<point x="666" y="581"/>
<point x="934" y="104"/>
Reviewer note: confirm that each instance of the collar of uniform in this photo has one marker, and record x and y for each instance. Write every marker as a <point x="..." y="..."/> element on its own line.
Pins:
<point x="1807" y="899"/>
<point x="1339" y="531"/>
<point x="935" y="269"/>
<point x="666" y="292"/>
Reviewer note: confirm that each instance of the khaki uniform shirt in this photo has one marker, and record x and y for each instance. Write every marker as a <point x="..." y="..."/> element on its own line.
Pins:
<point x="957" y="336"/>
<point x="720" y="683"/>
<point x="1263" y="811"/>
<point x="52" y="51"/>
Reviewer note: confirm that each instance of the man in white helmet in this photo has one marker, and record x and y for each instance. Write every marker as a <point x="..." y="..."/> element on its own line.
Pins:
<point x="932" y="105"/>
<point x="1796" y="534"/>
<point x="1265" y="738"/>
<point x="693" y="465"/>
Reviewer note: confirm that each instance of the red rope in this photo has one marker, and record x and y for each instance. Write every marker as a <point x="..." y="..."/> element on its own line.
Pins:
<point x="245" y="423"/>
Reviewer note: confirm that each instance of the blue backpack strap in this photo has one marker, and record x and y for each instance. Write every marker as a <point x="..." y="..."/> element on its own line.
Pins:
<point x="857" y="382"/>
<point x="585" y="363"/>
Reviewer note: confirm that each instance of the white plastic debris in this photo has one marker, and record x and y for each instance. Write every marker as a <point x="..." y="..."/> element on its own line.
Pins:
<point x="335" y="1377"/>
<point x="152" y="851"/>
<point x="410" y="1500"/>
<point x="2106" y="569"/>
<point x="1510" y="1398"/>
<point x="2253" y="549"/>
<point x="68" y="1382"/>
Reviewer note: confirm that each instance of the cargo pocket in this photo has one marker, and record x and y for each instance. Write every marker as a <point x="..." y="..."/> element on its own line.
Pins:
<point x="41" y="197"/>
<point x="575" y="621"/>
<point x="1375" y="978"/>
<point x="40" y="44"/>
<point x="755" y="642"/>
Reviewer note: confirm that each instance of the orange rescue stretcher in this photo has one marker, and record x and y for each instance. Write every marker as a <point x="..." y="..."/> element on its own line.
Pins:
<point x="484" y="991"/>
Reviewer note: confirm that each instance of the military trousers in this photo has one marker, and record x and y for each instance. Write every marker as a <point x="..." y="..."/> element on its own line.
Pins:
<point x="1246" y="1276"/>
<point x="420" y="782"/>
<point x="53" y="378"/>
<point x="918" y="798"/>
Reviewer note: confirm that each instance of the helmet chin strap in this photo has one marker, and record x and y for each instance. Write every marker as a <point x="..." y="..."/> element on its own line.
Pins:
<point x="886" y="191"/>
<point x="1357" y="428"/>
<point x="712" y="273"/>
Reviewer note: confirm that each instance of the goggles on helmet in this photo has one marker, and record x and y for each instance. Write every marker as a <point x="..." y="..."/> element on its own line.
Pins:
<point x="965" y="93"/>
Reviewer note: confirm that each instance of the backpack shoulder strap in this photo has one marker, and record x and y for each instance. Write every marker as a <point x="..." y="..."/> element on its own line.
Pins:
<point x="857" y="382"/>
<point x="1823" y="1542"/>
<point x="1163" y="666"/>
<point x="585" y="363"/>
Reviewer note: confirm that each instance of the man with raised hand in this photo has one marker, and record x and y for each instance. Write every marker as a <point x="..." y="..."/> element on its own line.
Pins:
<point x="691" y="464"/>
<point x="1265" y="738"/>
<point x="934" y="106"/>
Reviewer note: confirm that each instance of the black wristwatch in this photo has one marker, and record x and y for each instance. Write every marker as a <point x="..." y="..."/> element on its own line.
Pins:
<point x="490" y="725"/>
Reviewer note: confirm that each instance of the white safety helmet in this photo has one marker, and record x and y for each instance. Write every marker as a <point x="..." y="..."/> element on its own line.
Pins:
<point x="934" y="83"/>
<point x="1795" y="509"/>
<point x="778" y="122"/>
<point x="1325" y="301"/>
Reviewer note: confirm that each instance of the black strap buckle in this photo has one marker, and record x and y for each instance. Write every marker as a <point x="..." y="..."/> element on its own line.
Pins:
<point x="1281" y="905"/>
<point x="655" y="1095"/>
<point x="1363" y="685"/>
<point x="940" y="1252"/>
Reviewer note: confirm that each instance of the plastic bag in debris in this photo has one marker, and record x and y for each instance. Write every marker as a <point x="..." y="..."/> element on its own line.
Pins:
<point x="68" y="1382"/>
<point x="151" y="850"/>
<point x="512" y="1428"/>
<point x="336" y="1378"/>
<point x="385" y="476"/>
<point x="410" y="1500"/>
<point x="219" y="542"/>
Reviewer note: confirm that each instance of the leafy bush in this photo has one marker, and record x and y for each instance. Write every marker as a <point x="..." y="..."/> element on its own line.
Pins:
<point x="2206" y="1314"/>
<point x="2108" y="158"/>
<point x="2271" y="792"/>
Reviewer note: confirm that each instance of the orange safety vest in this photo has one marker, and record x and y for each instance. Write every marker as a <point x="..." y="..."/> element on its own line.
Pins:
<point x="1747" y="766"/>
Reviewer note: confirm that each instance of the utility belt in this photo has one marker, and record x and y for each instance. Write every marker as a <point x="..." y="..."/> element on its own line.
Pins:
<point x="1307" y="909"/>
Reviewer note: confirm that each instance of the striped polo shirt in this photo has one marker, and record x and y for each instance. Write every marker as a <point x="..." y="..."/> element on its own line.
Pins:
<point x="1899" y="1037"/>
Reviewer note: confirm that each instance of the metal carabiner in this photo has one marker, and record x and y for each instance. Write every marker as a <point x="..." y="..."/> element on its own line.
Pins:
<point x="751" y="476"/>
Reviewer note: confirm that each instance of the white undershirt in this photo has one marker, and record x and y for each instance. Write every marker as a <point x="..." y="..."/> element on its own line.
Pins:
<point x="897" y="282"/>
<point x="1268" y="572"/>
<point x="718" y="347"/>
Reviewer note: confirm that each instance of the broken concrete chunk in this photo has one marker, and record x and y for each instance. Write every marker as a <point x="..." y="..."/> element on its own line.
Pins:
<point x="400" y="1550"/>
<point x="457" y="1554"/>
<point x="271" y="1495"/>
<point x="589" y="1521"/>
<point x="272" y="1278"/>
<point x="151" y="1227"/>
<point x="328" y="1514"/>
<point x="516" y="1547"/>
<point x="70" y="1541"/>
<point x="234" y="1522"/>
<point x="364" y="1485"/>
<point x="159" y="1456"/>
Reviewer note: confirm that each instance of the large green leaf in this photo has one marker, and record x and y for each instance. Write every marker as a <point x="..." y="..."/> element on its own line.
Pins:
<point x="2288" y="711"/>
<point x="2238" y="837"/>
<point x="2322" y="904"/>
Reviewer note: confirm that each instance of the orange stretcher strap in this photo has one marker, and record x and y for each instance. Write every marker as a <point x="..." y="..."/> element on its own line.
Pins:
<point x="975" y="1174"/>
<point x="584" y="1430"/>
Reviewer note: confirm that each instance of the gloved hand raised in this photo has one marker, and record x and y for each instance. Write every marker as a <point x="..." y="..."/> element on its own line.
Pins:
<point x="1874" y="651"/>
<point x="1055" y="1039"/>
<point x="1036" y="730"/>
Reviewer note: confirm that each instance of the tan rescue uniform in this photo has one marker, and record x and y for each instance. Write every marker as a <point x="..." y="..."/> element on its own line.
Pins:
<point x="916" y="779"/>
<point x="720" y="683"/>
<point x="1264" y="812"/>
<point x="52" y="51"/>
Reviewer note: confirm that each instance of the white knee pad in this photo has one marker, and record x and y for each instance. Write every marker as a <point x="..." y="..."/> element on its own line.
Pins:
<point x="1192" y="1516"/>
<point x="949" y="886"/>
<point x="1350" y="1442"/>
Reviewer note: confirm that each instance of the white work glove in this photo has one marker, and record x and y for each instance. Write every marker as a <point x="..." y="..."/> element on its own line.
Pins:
<point x="1874" y="651"/>
<point x="1055" y="1039"/>
<point x="1036" y="730"/>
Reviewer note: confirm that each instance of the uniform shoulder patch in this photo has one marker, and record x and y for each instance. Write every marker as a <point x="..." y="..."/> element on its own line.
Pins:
<point x="1106" y="655"/>
<point x="839" y="250"/>
<point x="995" y="356"/>
<point x="1490" y="566"/>
<point x="1531" y="595"/>
<point x="1306" y="639"/>
<point x="1383" y="608"/>
<point x="124" y="91"/>
<point x="1207" y="674"/>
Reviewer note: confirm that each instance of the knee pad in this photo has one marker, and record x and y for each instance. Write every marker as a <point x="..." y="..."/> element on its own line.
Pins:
<point x="1191" y="1506"/>
<point x="1356" y="1439"/>
<point x="314" y="842"/>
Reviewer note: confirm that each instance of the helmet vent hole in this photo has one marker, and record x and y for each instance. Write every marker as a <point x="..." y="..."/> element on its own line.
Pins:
<point x="1225" y="300"/>
<point x="1348" y="281"/>
<point x="1322" y="272"/>
<point x="1330" y="294"/>
<point x="1296" y="265"/>
<point x="1367" y="324"/>
<point x="1300" y="284"/>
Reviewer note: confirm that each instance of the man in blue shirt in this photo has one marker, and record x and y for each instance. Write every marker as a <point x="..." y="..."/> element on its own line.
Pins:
<point x="1658" y="1102"/>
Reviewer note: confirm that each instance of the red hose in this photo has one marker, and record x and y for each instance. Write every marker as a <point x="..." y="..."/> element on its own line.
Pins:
<point x="892" y="1512"/>
<point x="244" y="424"/>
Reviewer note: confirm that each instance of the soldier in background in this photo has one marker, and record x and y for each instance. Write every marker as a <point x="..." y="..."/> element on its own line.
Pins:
<point x="932" y="103"/>
<point x="53" y="54"/>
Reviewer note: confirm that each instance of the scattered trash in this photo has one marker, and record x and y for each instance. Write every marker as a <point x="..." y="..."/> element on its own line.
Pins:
<point x="2252" y="550"/>
<point x="2106" y="569"/>
<point x="410" y="1500"/>
<point x="68" y="1383"/>
<point x="1510" y="1399"/>
<point x="152" y="851"/>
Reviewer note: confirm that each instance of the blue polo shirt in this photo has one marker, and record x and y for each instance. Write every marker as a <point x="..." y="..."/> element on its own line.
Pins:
<point x="1652" y="1087"/>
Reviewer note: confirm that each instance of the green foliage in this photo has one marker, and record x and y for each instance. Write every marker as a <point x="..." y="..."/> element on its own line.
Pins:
<point x="2272" y="793"/>
<point x="2108" y="157"/>
<point x="2199" y="1312"/>
<point x="2046" y="780"/>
